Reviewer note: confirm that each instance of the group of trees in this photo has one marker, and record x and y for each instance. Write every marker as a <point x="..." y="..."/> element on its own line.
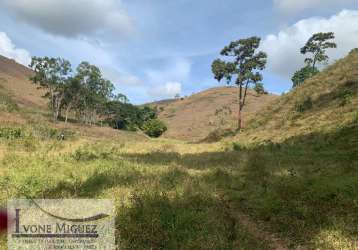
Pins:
<point x="86" y="95"/>
<point x="244" y="63"/>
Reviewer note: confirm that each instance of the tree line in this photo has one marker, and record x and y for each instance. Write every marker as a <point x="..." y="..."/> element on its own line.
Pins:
<point x="86" y="95"/>
<point x="243" y="64"/>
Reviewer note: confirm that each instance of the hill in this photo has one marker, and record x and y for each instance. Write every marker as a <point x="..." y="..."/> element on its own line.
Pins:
<point x="14" y="78"/>
<point x="322" y="104"/>
<point x="288" y="181"/>
<point x="194" y="117"/>
<point x="22" y="104"/>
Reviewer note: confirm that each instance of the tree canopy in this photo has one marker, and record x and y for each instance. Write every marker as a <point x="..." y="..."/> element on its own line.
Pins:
<point x="317" y="46"/>
<point x="88" y="96"/>
<point x="242" y="67"/>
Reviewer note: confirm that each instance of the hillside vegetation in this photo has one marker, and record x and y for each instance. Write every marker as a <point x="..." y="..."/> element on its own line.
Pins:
<point x="324" y="103"/>
<point x="14" y="78"/>
<point x="193" y="118"/>
<point x="288" y="181"/>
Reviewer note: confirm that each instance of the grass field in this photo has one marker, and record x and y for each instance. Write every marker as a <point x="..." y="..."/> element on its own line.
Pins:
<point x="302" y="192"/>
<point x="289" y="180"/>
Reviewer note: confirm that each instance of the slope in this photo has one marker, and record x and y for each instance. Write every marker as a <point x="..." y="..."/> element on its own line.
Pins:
<point x="194" y="117"/>
<point x="14" y="78"/>
<point x="322" y="104"/>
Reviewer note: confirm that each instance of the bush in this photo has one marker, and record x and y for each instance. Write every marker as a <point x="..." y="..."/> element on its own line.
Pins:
<point x="304" y="105"/>
<point x="259" y="88"/>
<point x="154" y="127"/>
<point x="346" y="97"/>
<point x="303" y="74"/>
<point x="11" y="133"/>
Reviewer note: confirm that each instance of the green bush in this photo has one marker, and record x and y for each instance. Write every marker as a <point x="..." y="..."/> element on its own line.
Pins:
<point x="259" y="88"/>
<point x="304" y="105"/>
<point x="154" y="128"/>
<point x="11" y="133"/>
<point x="346" y="97"/>
<point x="237" y="146"/>
<point x="303" y="74"/>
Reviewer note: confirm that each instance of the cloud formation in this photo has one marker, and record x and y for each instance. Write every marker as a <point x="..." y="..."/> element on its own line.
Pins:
<point x="283" y="49"/>
<point x="168" y="90"/>
<point x="166" y="82"/>
<point x="8" y="49"/>
<point x="73" y="18"/>
<point x="177" y="69"/>
<point x="289" y="6"/>
<point x="119" y="77"/>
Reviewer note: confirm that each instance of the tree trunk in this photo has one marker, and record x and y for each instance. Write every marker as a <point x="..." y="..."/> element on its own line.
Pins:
<point x="67" y="110"/>
<point x="240" y="108"/>
<point x="239" y="120"/>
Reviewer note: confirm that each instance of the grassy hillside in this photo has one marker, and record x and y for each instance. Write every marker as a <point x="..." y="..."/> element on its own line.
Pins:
<point x="194" y="117"/>
<point x="14" y="78"/>
<point x="289" y="181"/>
<point x="322" y="104"/>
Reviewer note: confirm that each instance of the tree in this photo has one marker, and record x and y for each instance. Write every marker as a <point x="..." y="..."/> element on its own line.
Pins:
<point x="243" y="68"/>
<point x="303" y="74"/>
<point x="317" y="46"/>
<point x="96" y="90"/>
<point x="154" y="128"/>
<point x="121" y="98"/>
<point x="53" y="75"/>
<point x="259" y="88"/>
<point x="74" y="93"/>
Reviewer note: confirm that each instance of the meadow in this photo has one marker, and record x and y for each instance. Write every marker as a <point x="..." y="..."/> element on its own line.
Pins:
<point x="301" y="193"/>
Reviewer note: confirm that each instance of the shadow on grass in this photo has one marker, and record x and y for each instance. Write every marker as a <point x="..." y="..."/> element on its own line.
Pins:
<point x="192" y="220"/>
<point x="301" y="187"/>
<point x="95" y="184"/>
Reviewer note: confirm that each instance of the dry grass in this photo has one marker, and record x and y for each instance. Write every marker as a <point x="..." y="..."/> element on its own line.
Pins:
<point x="334" y="96"/>
<point x="194" y="117"/>
<point x="15" y="78"/>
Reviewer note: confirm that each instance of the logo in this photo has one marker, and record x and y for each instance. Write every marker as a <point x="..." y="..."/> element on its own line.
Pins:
<point x="61" y="224"/>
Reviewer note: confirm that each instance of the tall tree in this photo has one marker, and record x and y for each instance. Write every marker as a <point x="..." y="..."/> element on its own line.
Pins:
<point x="53" y="75"/>
<point x="243" y="67"/>
<point x="74" y="93"/>
<point x="97" y="90"/>
<point x="317" y="46"/>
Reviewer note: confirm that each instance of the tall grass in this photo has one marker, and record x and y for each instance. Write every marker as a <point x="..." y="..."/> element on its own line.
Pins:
<point x="172" y="195"/>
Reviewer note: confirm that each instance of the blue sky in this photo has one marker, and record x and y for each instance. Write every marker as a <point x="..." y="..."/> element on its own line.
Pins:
<point x="154" y="49"/>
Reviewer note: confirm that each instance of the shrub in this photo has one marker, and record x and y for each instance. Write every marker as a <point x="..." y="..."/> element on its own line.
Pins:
<point x="304" y="105"/>
<point x="237" y="146"/>
<point x="346" y="97"/>
<point x="154" y="128"/>
<point x="303" y="74"/>
<point x="218" y="134"/>
<point x="259" y="88"/>
<point x="11" y="133"/>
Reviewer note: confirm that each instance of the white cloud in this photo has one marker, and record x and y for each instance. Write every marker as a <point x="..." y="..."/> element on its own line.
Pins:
<point x="168" y="90"/>
<point x="119" y="77"/>
<point x="166" y="82"/>
<point x="8" y="49"/>
<point x="289" y="6"/>
<point x="283" y="49"/>
<point x="73" y="18"/>
<point x="176" y="70"/>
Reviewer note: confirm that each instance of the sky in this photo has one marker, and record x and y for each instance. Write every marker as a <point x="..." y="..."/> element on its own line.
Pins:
<point x="155" y="49"/>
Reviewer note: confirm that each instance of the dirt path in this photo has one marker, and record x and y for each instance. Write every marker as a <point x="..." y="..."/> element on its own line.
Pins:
<point x="254" y="228"/>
